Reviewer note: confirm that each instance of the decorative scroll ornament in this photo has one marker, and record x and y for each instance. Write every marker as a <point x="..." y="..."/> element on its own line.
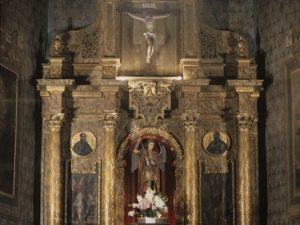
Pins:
<point x="55" y="121"/>
<point x="245" y="120"/>
<point x="111" y="120"/>
<point x="149" y="99"/>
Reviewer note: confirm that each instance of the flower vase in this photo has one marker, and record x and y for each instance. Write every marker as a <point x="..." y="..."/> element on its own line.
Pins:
<point x="150" y="220"/>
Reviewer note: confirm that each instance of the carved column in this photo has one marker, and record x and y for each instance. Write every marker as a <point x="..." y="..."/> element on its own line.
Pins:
<point x="120" y="191"/>
<point x="109" y="166"/>
<point x="179" y="191"/>
<point x="247" y="93"/>
<point x="54" y="169"/>
<point x="190" y="123"/>
<point x="51" y="91"/>
<point x="244" y="170"/>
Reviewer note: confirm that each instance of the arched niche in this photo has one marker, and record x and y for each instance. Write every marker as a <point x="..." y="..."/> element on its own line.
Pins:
<point x="171" y="184"/>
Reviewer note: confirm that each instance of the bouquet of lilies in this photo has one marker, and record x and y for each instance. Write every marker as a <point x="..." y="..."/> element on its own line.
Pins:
<point x="151" y="205"/>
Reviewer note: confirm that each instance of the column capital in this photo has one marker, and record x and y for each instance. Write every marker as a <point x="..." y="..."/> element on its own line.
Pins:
<point x="55" y="121"/>
<point x="111" y="120"/>
<point x="190" y="120"/>
<point x="245" y="120"/>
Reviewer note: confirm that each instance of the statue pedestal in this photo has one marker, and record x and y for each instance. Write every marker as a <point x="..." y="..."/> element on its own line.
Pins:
<point x="161" y="221"/>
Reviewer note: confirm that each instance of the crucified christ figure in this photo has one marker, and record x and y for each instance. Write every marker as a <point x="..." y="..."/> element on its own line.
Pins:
<point x="148" y="19"/>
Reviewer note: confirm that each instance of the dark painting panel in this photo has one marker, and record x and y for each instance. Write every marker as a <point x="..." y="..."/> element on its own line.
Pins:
<point x="216" y="197"/>
<point x="8" y="124"/>
<point x="83" y="198"/>
<point x="292" y="132"/>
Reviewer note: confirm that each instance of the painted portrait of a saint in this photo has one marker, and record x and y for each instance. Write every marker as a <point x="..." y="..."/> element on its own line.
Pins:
<point x="83" y="143"/>
<point x="216" y="142"/>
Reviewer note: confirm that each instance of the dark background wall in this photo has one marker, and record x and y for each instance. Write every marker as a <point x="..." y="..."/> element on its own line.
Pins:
<point x="274" y="20"/>
<point x="22" y="44"/>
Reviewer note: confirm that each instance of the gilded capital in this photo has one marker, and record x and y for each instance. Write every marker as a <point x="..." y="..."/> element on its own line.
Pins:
<point x="111" y="120"/>
<point x="55" y="121"/>
<point x="245" y="120"/>
<point x="190" y="121"/>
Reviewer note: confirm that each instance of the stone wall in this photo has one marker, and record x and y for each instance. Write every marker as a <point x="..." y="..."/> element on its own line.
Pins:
<point x="274" y="20"/>
<point x="70" y="15"/>
<point x="233" y="15"/>
<point x="23" y="39"/>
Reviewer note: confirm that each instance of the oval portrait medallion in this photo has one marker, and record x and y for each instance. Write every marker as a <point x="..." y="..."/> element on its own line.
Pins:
<point x="83" y="143"/>
<point x="216" y="142"/>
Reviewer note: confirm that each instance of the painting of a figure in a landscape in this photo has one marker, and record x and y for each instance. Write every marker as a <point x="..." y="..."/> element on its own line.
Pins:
<point x="83" y="198"/>
<point x="8" y="122"/>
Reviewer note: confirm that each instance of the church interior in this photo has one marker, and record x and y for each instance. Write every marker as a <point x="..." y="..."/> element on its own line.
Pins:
<point x="194" y="103"/>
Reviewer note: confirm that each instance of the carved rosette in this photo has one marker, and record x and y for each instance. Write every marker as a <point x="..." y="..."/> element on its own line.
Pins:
<point x="244" y="169"/>
<point x="54" y="168"/>
<point x="190" y="123"/>
<point x="149" y="99"/>
<point x="108" y="198"/>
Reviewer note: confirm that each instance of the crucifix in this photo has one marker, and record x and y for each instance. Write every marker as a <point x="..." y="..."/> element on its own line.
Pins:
<point x="148" y="19"/>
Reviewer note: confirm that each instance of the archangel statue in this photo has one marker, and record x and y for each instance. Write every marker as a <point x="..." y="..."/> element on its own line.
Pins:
<point x="149" y="163"/>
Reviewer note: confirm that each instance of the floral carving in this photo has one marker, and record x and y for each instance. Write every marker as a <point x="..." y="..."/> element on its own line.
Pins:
<point x="149" y="99"/>
<point x="208" y="45"/>
<point x="90" y="46"/>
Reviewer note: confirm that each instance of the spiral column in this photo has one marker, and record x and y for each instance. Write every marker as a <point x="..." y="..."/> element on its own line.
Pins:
<point x="247" y="92"/>
<point x="244" y="170"/>
<point x="190" y="124"/>
<point x="109" y="166"/>
<point x="54" y="170"/>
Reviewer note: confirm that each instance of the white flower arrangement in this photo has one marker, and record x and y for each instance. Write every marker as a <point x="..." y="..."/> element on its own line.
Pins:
<point x="151" y="205"/>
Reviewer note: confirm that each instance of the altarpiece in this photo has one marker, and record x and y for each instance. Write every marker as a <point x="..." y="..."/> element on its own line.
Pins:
<point x="149" y="71"/>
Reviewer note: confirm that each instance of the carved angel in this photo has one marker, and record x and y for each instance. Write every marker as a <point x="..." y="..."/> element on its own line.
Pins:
<point x="149" y="163"/>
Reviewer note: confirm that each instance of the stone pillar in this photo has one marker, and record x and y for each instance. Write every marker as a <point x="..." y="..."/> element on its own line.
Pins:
<point x="54" y="169"/>
<point x="109" y="166"/>
<point x="190" y="123"/>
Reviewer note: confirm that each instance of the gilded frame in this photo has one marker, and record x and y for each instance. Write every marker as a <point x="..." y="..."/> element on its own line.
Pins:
<point x="10" y="199"/>
<point x="68" y="191"/>
<point x="292" y="137"/>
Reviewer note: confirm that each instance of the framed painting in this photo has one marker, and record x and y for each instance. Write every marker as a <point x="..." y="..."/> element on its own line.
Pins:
<point x="292" y="135"/>
<point x="82" y="196"/>
<point x="9" y="146"/>
<point x="217" y="196"/>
